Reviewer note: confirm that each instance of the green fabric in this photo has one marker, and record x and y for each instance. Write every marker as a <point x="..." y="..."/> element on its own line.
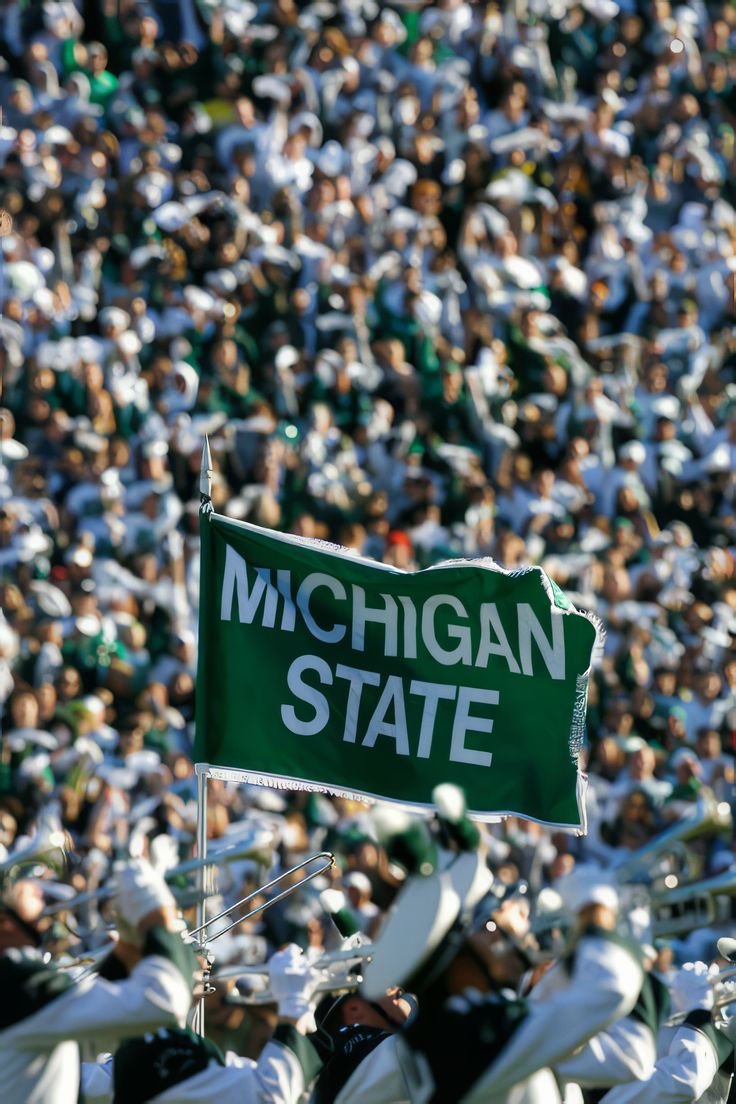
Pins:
<point x="170" y="945"/>
<point x="362" y="679"/>
<point x="302" y="1048"/>
<point x="462" y="1039"/>
<point x="653" y="1004"/>
<point x="112" y="968"/>
<point x="27" y="986"/>
<point x="702" y="1021"/>
<point x="147" y="1066"/>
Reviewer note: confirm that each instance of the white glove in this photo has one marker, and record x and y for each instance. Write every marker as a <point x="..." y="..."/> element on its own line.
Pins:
<point x="727" y="1022"/>
<point x="293" y="981"/>
<point x="691" y="987"/>
<point x="164" y="851"/>
<point x="139" y="891"/>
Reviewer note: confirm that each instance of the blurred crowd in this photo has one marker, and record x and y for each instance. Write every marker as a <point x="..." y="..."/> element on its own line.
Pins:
<point x="437" y="279"/>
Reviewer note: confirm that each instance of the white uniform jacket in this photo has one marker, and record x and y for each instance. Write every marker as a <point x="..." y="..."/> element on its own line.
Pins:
<point x="490" y="1049"/>
<point x="697" y="1066"/>
<point x="45" y="1015"/>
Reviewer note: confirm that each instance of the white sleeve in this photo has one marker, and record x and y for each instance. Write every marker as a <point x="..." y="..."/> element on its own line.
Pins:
<point x="624" y="1052"/>
<point x="155" y="995"/>
<point x="604" y="986"/>
<point x="279" y="1074"/>
<point x="680" y="1077"/>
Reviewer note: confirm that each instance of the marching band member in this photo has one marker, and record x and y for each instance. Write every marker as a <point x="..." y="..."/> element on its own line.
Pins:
<point x="174" y="1066"/>
<point x="144" y="984"/>
<point x="359" y="1043"/>
<point x="473" y="1041"/>
<point x="697" y="1060"/>
<point x="625" y="1050"/>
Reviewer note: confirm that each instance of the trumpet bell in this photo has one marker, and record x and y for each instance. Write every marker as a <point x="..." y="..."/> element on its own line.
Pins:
<point x="694" y="905"/>
<point x="46" y="848"/>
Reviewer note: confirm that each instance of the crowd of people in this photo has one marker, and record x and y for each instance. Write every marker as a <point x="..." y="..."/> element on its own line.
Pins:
<point x="437" y="279"/>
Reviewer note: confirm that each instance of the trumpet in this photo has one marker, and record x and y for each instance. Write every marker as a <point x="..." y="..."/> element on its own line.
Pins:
<point x="91" y="959"/>
<point x="683" y="908"/>
<point x="709" y="817"/>
<point x="349" y="959"/>
<point x="234" y="853"/>
<point x="341" y="968"/>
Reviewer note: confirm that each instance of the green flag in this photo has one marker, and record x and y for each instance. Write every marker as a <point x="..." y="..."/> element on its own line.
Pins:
<point x="321" y="670"/>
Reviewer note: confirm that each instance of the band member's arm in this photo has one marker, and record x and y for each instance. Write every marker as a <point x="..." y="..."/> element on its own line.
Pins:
<point x="626" y="1051"/>
<point x="683" y="1074"/>
<point x="604" y="985"/>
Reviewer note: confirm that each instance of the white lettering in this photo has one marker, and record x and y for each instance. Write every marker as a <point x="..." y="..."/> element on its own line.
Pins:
<point x="306" y="589"/>
<point x="432" y="692"/>
<point x="392" y="695"/>
<point x="388" y="617"/>
<point x="461" y="633"/>
<point x="553" y="654"/>
<point x="464" y="723"/>
<point x="236" y="575"/>
<point x="357" y="679"/>
<point x="489" y="619"/>
<point x="410" y="627"/>
<point x="288" y="617"/>
<point x="306" y="693"/>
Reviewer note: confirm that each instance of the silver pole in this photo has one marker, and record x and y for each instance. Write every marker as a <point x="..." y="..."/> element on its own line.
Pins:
<point x="202" y="771"/>
<point x="205" y="474"/>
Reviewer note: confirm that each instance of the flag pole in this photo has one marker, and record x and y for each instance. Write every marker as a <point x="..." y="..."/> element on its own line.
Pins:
<point x="205" y="478"/>
<point x="205" y="507"/>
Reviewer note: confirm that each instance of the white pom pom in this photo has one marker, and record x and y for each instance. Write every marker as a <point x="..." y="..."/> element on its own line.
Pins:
<point x="449" y="801"/>
<point x="388" y="822"/>
<point x="332" y="901"/>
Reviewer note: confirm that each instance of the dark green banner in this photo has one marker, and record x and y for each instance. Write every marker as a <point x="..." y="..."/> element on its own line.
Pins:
<point x="320" y="669"/>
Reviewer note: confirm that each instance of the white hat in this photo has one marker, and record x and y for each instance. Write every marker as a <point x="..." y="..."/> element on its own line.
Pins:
<point x="330" y="158"/>
<point x="586" y="885"/>
<point x="667" y="406"/>
<point x="272" y="87"/>
<point x="222" y="280"/>
<point x="50" y="600"/>
<point x="421" y="916"/>
<point x="171" y="216"/>
<point x="391" y="19"/>
<point x="115" y="317"/>
<point x="308" y="120"/>
<point x="357" y="880"/>
<point x="198" y="299"/>
<point x="633" y="450"/>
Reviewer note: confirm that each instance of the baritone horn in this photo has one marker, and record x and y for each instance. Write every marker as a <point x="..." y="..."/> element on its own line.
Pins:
<point x="654" y="859"/>
<point x="327" y="862"/>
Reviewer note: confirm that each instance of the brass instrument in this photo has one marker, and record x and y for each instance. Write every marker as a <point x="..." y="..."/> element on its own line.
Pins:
<point x="46" y="848"/>
<point x="342" y="970"/>
<point x="654" y="859"/>
<point x="185" y="897"/>
<point x="684" y="908"/>
<point x="202" y="930"/>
